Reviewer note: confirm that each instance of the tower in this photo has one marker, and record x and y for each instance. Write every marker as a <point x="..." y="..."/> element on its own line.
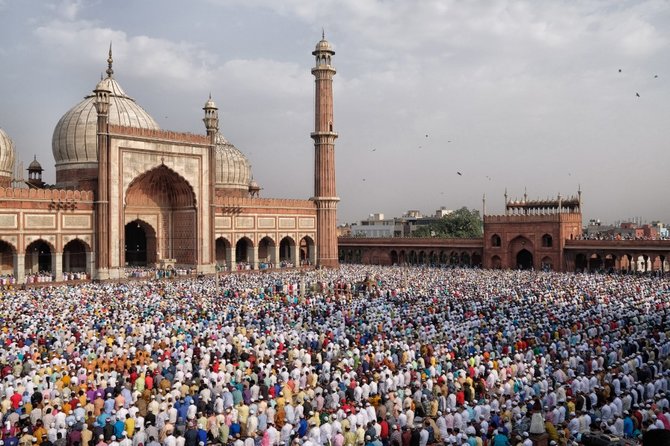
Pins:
<point x="102" y="239"/>
<point x="324" y="137"/>
<point x="35" y="174"/>
<point x="211" y="121"/>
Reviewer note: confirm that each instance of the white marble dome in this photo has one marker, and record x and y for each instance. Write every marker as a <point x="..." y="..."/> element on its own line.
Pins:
<point x="7" y="155"/>
<point x="74" y="142"/>
<point x="233" y="170"/>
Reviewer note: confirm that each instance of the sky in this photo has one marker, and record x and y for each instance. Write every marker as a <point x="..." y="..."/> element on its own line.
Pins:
<point x="536" y="95"/>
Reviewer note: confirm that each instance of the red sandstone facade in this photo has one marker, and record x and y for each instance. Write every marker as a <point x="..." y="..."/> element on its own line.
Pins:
<point x="539" y="235"/>
<point x="149" y="197"/>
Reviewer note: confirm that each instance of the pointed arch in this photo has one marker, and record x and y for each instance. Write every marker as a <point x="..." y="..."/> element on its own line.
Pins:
<point x="496" y="262"/>
<point x="266" y="252"/>
<point x="307" y="251"/>
<point x="139" y="243"/>
<point x="222" y="247"/>
<point x="76" y="256"/>
<point x="496" y="241"/>
<point x="287" y="250"/>
<point x="39" y="257"/>
<point x="244" y="251"/>
<point x="393" y="255"/>
<point x="7" y="255"/>
<point x="166" y="198"/>
<point x="160" y="187"/>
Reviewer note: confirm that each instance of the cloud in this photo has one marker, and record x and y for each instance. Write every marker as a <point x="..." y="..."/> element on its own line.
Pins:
<point x="66" y="9"/>
<point x="514" y="84"/>
<point x="182" y="64"/>
<point x="149" y="57"/>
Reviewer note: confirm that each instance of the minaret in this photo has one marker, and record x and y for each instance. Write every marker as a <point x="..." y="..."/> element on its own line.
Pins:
<point x="102" y="218"/>
<point x="211" y="121"/>
<point x="324" y="137"/>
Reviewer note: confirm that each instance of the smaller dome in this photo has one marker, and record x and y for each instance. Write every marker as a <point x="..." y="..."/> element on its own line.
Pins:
<point x="210" y="103"/>
<point x="7" y="155"/>
<point x="324" y="45"/>
<point x="233" y="170"/>
<point x="35" y="165"/>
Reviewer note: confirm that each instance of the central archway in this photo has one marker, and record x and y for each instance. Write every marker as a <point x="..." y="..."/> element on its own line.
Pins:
<point x="524" y="259"/>
<point x="140" y="244"/>
<point x="164" y="198"/>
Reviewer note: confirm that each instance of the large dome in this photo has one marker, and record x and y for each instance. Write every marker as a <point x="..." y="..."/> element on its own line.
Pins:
<point x="74" y="142"/>
<point x="7" y="155"/>
<point x="233" y="170"/>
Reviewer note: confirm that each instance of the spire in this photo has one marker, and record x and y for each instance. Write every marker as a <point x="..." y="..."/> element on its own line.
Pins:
<point x="110" y="71"/>
<point x="323" y="33"/>
<point x="579" y="196"/>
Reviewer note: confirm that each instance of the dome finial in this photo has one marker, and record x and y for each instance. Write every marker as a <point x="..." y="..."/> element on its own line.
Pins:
<point x="110" y="71"/>
<point x="323" y="33"/>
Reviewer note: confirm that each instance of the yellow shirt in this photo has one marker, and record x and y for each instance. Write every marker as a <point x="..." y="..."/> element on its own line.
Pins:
<point x="130" y="427"/>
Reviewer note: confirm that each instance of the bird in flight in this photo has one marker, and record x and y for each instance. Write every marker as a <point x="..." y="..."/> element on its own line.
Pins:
<point x="449" y="141"/>
<point x="655" y="76"/>
<point x="619" y="70"/>
<point x="374" y="150"/>
<point x="459" y="173"/>
<point x="426" y="135"/>
<point x="637" y="94"/>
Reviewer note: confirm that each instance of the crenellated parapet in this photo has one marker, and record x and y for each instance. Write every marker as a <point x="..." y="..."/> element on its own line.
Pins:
<point x="266" y="203"/>
<point x="540" y="217"/>
<point x="159" y="135"/>
<point x="46" y="194"/>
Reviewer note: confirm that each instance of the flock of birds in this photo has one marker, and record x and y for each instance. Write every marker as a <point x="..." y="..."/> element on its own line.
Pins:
<point x="637" y="94"/>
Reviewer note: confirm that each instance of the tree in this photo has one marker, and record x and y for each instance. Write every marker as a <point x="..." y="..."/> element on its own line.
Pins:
<point x="463" y="223"/>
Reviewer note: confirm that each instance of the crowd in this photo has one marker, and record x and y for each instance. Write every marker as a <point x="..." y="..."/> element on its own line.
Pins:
<point x="139" y="272"/>
<point x="357" y="356"/>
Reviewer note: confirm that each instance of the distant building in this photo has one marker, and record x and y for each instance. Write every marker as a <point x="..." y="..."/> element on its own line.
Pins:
<point x="376" y="226"/>
<point x="532" y="234"/>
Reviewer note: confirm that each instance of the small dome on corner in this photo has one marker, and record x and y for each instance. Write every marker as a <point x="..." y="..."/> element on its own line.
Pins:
<point x="35" y="165"/>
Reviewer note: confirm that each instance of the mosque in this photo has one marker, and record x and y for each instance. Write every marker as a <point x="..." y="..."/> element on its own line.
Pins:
<point x="129" y="193"/>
